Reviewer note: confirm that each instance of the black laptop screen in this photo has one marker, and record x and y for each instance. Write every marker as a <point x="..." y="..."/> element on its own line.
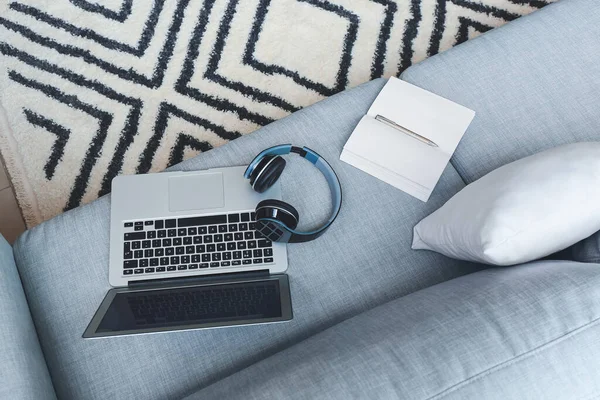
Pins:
<point x="193" y="307"/>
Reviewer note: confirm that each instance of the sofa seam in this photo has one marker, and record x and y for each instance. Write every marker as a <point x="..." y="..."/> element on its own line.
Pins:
<point x="514" y="360"/>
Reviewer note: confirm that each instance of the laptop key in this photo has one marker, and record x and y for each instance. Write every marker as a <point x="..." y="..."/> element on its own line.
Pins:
<point x="231" y="246"/>
<point x="193" y="266"/>
<point x="151" y="234"/>
<point x="138" y="271"/>
<point x="177" y="242"/>
<point x="236" y="262"/>
<point x="233" y="217"/>
<point x="182" y="232"/>
<point x="171" y="268"/>
<point x="179" y="250"/>
<point x="247" y="261"/>
<point x="221" y="247"/>
<point x="128" y="224"/>
<point x="252" y="216"/>
<point x="228" y="237"/>
<point x="214" y="264"/>
<point x="162" y="233"/>
<point x="164" y="261"/>
<point x="185" y="259"/>
<point x="170" y="251"/>
<point x="154" y="262"/>
<point x="268" y="260"/>
<point x="218" y="238"/>
<point x="243" y="226"/>
<point x="171" y="223"/>
<point x="159" y="252"/>
<point x="212" y="229"/>
<point x="127" y="255"/>
<point x="210" y="248"/>
<point x="232" y="228"/>
<point x="182" y="267"/>
<point x="257" y="261"/>
<point x="166" y="242"/>
<point x="156" y="243"/>
<point x="160" y="269"/>
<point x="241" y="245"/>
<point x="238" y="236"/>
<point x="175" y="260"/>
<point x="196" y="258"/>
<point x="139" y="228"/>
<point x="222" y="228"/>
<point x="226" y="255"/>
<point x="248" y="235"/>
<point x="257" y="253"/>
<point x="268" y="252"/>
<point x="245" y="217"/>
<point x="197" y="239"/>
<point x="136" y="245"/>
<point x="208" y="239"/>
<point x="189" y="250"/>
<point x="149" y="253"/>
<point x="216" y="257"/>
<point x="264" y="243"/>
<point x="172" y="232"/>
<point x="148" y="222"/>
<point x="135" y="236"/>
<point x="237" y="255"/>
<point x="251" y="244"/>
<point x="192" y="231"/>
<point x="204" y="265"/>
<point x="202" y="230"/>
<point x="159" y="224"/>
<point x="225" y="263"/>
<point x="187" y="240"/>
<point x="200" y="248"/>
<point x="205" y="257"/>
<point x="138" y="253"/>
<point x="247" y="254"/>
<point x="146" y="244"/>
<point x="149" y="270"/>
<point x="128" y="272"/>
<point x="130" y="264"/>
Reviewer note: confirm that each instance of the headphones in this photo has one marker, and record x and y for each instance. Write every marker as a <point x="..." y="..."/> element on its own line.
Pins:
<point x="275" y="219"/>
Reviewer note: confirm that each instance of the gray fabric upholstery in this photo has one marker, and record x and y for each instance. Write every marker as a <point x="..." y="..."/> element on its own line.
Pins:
<point x="363" y="260"/>
<point x="534" y="84"/>
<point x="587" y="250"/>
<point x="524" y="332"/>
<point x="23" y="371"/>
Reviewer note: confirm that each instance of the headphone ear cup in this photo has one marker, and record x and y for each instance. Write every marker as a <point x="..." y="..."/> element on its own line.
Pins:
<point x="266" y="173"/>
<point x="278" y="210"/>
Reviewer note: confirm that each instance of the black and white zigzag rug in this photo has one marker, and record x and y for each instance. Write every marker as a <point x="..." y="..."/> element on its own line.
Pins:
<point x="95" y="88"/>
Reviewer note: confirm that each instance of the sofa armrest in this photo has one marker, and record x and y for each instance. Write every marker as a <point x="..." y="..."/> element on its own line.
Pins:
<point x="530" y="331"/>
<point x="23" y="370"/>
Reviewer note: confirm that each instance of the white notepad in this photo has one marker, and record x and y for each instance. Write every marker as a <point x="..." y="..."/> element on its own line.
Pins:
<point x="398" y="158"/>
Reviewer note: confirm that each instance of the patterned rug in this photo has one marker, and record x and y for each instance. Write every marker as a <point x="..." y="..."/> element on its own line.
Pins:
<point x="95" y="88"/>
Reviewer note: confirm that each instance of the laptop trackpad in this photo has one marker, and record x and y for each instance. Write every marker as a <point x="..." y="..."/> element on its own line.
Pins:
<point x="196" y="192"/>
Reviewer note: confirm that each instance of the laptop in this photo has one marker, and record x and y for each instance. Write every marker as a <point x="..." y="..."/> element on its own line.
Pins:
<point x="184" y="255"/>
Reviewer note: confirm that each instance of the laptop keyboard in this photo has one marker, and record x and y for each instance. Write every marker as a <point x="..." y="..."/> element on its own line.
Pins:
<point x="250" y="300"/>
<point x="183" y="244"/>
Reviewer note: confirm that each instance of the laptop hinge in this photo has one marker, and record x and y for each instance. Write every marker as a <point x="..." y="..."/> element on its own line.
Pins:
<point x="198" y="279"/>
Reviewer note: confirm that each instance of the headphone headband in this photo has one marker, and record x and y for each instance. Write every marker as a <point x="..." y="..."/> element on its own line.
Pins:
<point x="294" y="236"/>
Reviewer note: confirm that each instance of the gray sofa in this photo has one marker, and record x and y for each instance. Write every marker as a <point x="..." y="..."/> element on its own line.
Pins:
<point x="372" y="318"/>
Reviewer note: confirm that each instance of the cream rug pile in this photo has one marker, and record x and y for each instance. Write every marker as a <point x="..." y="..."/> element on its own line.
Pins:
<point x="94" y="88"/>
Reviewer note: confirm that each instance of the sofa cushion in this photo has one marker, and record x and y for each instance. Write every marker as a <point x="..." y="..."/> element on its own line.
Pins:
<point x="526" y="332"/>
<point x="362" y="261"/>
<point x="588" y="250"/>
<point x="533" y="83"/>
<point x="23" y="370"/>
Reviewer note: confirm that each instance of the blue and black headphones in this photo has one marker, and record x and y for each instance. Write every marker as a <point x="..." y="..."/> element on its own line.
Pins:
<point x="276" y="219"/>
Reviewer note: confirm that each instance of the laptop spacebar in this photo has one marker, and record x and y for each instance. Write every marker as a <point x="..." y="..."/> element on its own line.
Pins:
<point x="207" y="220"/>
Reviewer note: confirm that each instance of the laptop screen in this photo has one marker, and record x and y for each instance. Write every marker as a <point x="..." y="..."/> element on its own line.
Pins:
<point x="191" y="307"/>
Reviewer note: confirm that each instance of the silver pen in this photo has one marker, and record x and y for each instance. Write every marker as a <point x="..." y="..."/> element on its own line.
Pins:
<point x="406" y="131"/>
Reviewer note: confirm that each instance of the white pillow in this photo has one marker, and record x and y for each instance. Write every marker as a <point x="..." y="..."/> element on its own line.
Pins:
<point x="522" y="211"/>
